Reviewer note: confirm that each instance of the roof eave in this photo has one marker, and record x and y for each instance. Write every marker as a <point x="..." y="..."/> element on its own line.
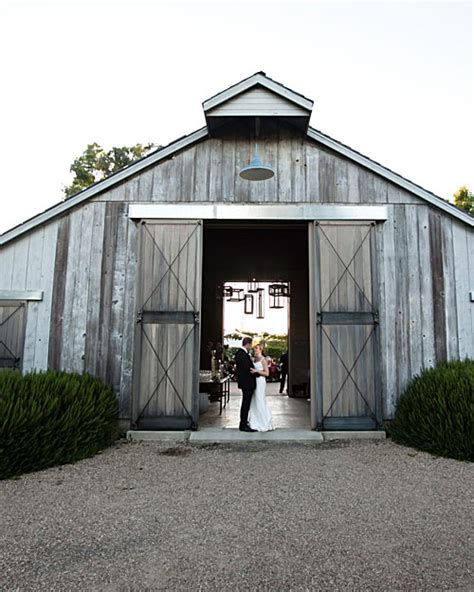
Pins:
<point x="103" y="185"/>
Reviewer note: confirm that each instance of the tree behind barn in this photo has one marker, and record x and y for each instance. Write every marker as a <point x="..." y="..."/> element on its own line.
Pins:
<point x="96" y="164"/>
<point x="464" y="199"/>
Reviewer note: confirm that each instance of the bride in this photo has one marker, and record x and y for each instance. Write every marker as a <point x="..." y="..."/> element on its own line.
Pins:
<point x="260" y="416"/>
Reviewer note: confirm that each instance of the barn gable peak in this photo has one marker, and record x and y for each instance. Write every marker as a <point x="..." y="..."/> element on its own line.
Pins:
<point x="257" y="96"/>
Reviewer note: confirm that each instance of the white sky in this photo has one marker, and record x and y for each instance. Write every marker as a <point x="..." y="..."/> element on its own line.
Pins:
<point x="275" y="321"/>
<point x="392" y="80"/>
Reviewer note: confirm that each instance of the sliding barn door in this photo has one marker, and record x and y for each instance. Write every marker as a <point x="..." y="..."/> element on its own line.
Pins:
<point x="345" y="352"/>
<point x="166" y="393"/>
<point x="12" y="333"/>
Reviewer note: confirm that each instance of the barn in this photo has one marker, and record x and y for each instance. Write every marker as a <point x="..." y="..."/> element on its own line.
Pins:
<point x="123" y="280"/>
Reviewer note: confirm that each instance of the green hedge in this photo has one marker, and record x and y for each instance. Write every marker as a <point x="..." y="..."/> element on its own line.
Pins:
<point x="436" y="412"/>
<point x="52" y="418"/>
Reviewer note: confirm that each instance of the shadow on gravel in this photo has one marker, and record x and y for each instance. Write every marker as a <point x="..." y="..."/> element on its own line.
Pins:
<point x="176" y="451"/>
<point x="182" y="450"/>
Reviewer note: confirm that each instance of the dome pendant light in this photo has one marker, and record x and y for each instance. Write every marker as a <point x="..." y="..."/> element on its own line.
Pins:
<point x="256" y="170"/>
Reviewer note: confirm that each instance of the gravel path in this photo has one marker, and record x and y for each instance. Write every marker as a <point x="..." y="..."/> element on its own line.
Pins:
<point x="336" y="516"/>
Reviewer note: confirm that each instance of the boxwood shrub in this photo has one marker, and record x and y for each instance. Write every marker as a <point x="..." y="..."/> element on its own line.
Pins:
<point x="52" y="418"/>
<point x="436" y="412"/>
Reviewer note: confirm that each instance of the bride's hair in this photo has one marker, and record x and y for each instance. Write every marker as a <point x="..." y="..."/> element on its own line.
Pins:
<point x="262" y="347"/>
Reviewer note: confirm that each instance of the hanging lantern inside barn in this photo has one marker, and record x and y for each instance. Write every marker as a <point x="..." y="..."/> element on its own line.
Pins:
<point x="276" y="302"/>
<point x="236" y="295"/>
<point x="253" y="286"/>
<point x="260" y="304"/>
<point x="279" y="289"/>
<point x="248" y="304"/>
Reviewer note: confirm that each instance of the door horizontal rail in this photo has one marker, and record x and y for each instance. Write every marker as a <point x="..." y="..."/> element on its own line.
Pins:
<point x="168" y="317"/>
<point x="347" y="318"/>
<point x="350" y="423"/>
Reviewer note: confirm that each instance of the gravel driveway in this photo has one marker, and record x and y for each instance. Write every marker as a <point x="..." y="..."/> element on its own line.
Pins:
<point x="335" y="516"/>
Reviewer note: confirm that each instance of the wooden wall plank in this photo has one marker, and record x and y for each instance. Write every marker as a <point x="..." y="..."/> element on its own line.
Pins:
<point x="312" y="173"/>
<point x="298" y="170"/>
<point x="270" y="156"/>
<point x="464" y="284"/>
<point x="342" y="180"/>
<point x="78" y="336"/>
<point x="216" y="171"/>
<point x="94" y="289"/>
<point x="426" y="289"/>
<point x="59" y="294"/>
<point x="243" y="156"/>
<point x="33" y="282"/>
<point x="116" y="317"/>
<point x="366" y="186"/>
<point x="283" y="172"/>
<point x="188" y="172"/>
<point x="145" y="186"/>
<point x="202" y="172"/>
<point x="438" y="285"/>
<point x="402" y="320"/>
<point x="20" y="262"/>
<point x="228" y="165"/>
<point x="46" y="284"/>
<point x="450" y="274"/>
<point x="7" y="253"/>
<point x="414" y="319"/>
<point x="130" y="310"/>
<point x="327" y="183"/>
<point x="109" y="248"/>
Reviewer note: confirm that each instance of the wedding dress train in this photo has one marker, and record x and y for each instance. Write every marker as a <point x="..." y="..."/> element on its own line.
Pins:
<point x="260" y="416"/>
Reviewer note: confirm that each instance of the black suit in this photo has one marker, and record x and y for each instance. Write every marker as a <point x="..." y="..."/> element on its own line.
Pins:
<point x="246" y="381"/>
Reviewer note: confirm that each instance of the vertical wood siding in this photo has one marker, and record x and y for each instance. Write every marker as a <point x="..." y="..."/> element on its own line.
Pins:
<point x="93" y="309"/>
<point x="426" y="317"/>
<point x="305" y="172"/>
<point x="28" y="264"/>
<point x="85" y="262"/>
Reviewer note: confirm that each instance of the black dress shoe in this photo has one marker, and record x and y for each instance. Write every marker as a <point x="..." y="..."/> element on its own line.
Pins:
<point x="247" y="429"/>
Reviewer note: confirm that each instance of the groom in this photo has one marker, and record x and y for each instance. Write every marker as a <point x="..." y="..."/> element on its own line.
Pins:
<point x="246" y="381"/>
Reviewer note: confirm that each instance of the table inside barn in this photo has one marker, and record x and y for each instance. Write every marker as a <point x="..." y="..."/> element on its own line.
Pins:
<point x="218" y="390"/>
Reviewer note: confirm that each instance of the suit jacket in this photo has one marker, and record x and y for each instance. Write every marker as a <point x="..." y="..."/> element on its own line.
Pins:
<point x="284" y="362"/>
<point x="245" y="380"/>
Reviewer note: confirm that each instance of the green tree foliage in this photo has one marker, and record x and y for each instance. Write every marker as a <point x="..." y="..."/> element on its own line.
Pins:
<point x="96" y="164"/>
<point x="275" y="345"/>
<point x="464" y="199"/>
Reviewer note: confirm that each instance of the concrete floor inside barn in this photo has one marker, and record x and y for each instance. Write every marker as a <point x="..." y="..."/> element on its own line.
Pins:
<point x="287" y="412"/>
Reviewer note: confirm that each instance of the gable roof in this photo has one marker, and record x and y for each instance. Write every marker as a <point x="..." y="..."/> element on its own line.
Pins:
<point x="257" y="96"/>
<point x="202" y="133"/>
<point x="258" y="79"/>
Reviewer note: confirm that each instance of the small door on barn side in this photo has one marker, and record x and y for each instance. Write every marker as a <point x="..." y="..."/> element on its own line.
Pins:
<point x="12" y="333"/>
<point x="346" y="338"/>
<point x="166" y="386"/>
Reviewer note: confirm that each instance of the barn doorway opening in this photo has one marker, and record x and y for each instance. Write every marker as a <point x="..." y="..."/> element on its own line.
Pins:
<point x="270" y="253"/>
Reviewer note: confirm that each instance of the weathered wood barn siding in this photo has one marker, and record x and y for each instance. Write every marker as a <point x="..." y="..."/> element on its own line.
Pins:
<point x="28" y="264"/>
<point x="85" y="261"/>
<point x="93" y="309"/>
<point x="305" y="173"/>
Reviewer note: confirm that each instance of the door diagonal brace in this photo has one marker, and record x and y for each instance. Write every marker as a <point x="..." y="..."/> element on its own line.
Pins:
<point x="349" y="371"/>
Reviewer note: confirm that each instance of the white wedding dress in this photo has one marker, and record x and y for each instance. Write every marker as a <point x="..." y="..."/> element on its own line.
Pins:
<point x="260" y="416"/>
